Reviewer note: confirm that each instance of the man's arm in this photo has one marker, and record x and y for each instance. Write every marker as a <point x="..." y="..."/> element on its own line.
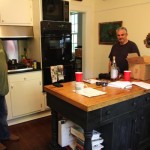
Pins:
<point x="135" y="49"/>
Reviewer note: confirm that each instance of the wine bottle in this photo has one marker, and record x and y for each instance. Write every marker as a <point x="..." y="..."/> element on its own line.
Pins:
<point x="114" y="70"/>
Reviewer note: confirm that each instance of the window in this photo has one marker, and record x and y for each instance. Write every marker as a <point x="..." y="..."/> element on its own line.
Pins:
<point x="74" y="21"/>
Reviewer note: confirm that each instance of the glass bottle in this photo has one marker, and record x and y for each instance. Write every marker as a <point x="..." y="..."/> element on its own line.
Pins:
<point x="114" y="70"/>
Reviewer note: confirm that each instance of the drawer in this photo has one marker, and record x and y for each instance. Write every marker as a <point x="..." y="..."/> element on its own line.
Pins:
<point x="24" y="76"/>
<point x="119" y="109"/>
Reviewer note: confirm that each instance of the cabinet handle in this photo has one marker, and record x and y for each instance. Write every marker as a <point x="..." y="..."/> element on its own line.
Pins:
<point x="142" y="117"/>
<point x="108" y="112"/>
<point x="11" y="87"/>
<point x="137" y="132"/>
<point x="25" y="78"/>
<point x="147" y="99"/>
<point x="134" y="104"/>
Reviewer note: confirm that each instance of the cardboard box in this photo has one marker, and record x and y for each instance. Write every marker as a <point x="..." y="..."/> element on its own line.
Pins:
<point x="139" y="66"/>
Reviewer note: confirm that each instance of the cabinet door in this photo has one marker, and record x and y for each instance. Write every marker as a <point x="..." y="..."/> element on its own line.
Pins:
<point x="126" y="131"/>
<point x="16" y="12"/>
<point x="26" y="93"/>
<point x="145" y="133"/>
<point x="122" y="133"/>
<point x="26" y="97"/>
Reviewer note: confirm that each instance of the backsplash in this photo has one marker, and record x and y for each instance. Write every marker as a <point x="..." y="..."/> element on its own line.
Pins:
<point x="15" y="48"/>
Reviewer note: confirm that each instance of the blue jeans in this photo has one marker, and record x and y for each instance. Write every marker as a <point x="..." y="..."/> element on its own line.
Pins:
<point x="4" y="132"/>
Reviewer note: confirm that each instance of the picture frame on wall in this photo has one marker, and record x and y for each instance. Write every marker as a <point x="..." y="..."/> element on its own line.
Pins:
<point x="107" y="32"/>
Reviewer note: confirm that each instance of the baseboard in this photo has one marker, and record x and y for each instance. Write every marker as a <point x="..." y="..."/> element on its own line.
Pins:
<point x="29" y="117"/>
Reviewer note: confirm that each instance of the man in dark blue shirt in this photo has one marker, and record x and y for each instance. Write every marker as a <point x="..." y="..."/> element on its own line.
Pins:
<point x="121" y="49"/>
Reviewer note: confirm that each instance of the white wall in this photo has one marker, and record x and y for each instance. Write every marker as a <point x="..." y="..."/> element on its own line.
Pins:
<point x="35" y="44"/>
<point x="135" y="16"/>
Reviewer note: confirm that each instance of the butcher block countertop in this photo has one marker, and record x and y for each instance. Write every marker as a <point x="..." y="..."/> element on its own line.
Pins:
<point x="112" y="96"/>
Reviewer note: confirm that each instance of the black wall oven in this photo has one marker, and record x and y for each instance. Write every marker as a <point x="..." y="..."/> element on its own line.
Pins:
<point x="56" y="49"/>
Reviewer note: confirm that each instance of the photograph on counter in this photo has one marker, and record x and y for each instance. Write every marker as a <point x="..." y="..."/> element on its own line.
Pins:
<point x="60" y="72"/>
<point x="53" y="70"/>
<point x="57" y="73"/>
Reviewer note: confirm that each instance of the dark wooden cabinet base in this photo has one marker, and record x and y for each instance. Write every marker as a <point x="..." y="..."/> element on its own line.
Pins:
<point x="124" y="126"/>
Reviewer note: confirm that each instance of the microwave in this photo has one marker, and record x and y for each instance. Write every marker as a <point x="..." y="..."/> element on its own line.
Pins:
<point x="55" y="10"/>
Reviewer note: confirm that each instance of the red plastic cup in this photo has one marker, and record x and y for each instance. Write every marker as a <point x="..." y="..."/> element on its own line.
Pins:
<point x="127" y="75"/>
<point x="78" y="76"/>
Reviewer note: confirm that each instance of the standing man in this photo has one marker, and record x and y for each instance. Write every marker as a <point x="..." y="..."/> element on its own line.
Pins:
<point x="4" y="132"/>
<point x="121" y="49"/>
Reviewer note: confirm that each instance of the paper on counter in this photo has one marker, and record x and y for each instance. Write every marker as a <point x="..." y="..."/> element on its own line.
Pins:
<point x="142" y="84"/>
<point x="121" y="84"/>
<point x="90" y="92"/>
<point x="127" y="84"/>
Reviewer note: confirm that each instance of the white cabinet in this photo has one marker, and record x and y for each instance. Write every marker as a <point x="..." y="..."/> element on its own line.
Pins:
<point x="26" y="94"/>
<point x="16" y="12"/>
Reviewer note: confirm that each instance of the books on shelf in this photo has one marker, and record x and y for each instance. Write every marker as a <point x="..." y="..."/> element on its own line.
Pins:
<point x="78" y="132"/>
<point x="79" y="147"/>
<point x="98" y="147"/>
<point x="96" y="135"/>
<point x="96" y="139"/>
<point x="96" y="144"/>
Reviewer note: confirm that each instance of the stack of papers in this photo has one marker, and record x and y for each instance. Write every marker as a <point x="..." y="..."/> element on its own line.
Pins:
<point x="90" y="92"/>
<point x="127" y="84"/>
<point x="121" y="84"/>
<point x="142" y="84"/>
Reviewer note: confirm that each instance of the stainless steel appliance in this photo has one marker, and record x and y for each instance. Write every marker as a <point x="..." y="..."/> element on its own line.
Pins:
<point x="56" y="49"/>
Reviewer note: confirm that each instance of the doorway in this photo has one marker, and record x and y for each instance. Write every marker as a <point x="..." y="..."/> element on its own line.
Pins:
<point x="76" y="20"/>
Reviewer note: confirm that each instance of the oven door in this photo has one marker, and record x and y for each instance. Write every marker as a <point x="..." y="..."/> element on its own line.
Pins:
<point x="56" y="50"/>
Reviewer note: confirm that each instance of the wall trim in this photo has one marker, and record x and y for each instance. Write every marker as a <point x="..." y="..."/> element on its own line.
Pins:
<point x="29" y="117"/>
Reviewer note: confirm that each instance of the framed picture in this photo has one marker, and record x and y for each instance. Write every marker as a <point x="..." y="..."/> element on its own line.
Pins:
<point x="107" y="32"/>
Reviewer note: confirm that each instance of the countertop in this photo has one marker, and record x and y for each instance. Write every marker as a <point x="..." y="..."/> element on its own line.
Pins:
<point x="112" y="96"/>
<point x="14" y="71"/>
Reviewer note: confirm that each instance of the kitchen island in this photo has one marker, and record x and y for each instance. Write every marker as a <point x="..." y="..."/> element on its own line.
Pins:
<point x="121" y="115"/>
